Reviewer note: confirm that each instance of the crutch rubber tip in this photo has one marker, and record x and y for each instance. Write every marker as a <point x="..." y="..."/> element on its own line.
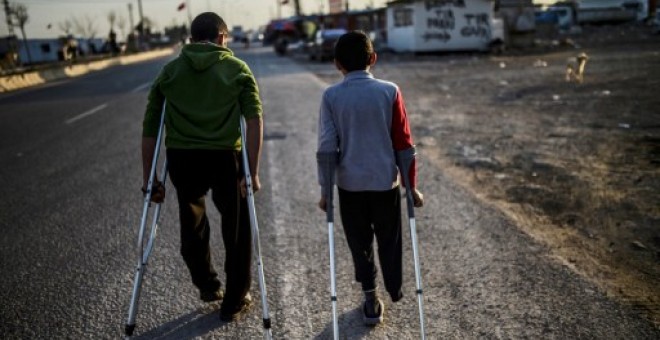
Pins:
<point x="267" y="323"/>
<point x="128" y="329"/>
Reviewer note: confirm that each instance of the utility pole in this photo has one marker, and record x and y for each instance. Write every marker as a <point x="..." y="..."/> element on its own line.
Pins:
<point x="13" y="48"/>
<point x="133" y="41"/>
<point x="10" y="25"/>
<point x="130" y="17"/>
<point x="279" y="8"/>
<point x="141" y="18"/>
<point x="189" y="13"/>
<point x="297" y="7"/>
<point x="140" y="39"/>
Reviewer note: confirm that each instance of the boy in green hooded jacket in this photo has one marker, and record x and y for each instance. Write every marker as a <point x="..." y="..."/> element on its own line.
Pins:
<point x="205" y="91"/>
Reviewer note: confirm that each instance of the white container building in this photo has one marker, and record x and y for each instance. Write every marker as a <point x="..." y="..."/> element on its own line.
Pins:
<point x="442" y="25"/>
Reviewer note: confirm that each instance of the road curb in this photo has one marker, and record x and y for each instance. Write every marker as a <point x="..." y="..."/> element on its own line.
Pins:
<point x="27" y="79"/>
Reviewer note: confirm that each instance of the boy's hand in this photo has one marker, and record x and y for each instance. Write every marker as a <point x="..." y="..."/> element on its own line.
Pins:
<point x="418" y="198"/>
<point x="322" y="204"/>
<point x="157" y="191"/>
<point x="256" y="185"/>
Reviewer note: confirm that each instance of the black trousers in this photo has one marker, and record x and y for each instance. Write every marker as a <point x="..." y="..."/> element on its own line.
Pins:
<point x="366" y="214"/>
<point x="194" y="173"/>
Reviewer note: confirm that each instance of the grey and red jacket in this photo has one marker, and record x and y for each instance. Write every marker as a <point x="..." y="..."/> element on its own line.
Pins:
<point x="364" y="119"/>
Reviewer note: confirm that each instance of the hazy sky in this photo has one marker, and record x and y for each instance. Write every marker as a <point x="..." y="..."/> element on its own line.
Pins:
<point x="249" y="13"/>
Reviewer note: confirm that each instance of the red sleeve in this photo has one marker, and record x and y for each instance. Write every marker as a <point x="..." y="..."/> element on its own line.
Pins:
<point x="401" y="136"/>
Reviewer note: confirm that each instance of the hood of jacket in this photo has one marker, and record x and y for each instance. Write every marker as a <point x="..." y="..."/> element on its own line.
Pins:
<point x="201" y="56"/>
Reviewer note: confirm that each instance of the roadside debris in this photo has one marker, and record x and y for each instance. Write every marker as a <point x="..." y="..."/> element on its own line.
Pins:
<point x="638" y="245"/>
<point x="540" y="63"/>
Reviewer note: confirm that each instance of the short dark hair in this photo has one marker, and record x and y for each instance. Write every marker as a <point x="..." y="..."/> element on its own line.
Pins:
<point x="353" y="50"/>
<point x="207" y="26"/>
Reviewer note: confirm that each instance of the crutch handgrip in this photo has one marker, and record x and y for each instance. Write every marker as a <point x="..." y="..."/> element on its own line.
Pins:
<point x="404" y="160"/>
<point x="327" y="162"/>
<point x="152" y="177"/>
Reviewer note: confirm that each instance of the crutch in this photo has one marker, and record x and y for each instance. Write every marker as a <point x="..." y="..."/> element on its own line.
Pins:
<point x="145" y="251"/>
<point x="404" y="161"/>
<point x="327" y="161"/>
<point x="255" y="232"/>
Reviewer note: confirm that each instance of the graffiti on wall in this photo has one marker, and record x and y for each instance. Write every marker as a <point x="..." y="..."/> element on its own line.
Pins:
<point x="443" y="20"/>
<point x="478" y="25"/>
<point x="446" y="19"/>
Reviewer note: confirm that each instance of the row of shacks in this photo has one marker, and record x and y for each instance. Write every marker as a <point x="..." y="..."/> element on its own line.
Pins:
<point x="440" y="25"/>
<point x="451" y="25"/>
<point x="14" y="52"/>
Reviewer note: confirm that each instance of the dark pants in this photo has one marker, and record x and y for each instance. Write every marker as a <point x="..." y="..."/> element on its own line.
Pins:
<point x="365" y="214"/>
<point x="193" y="173"/>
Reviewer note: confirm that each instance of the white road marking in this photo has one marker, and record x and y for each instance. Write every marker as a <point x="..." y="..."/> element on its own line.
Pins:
<point x="291" y="275"/>
<point x="87" y="113"/>
<point x="141" y="87"/>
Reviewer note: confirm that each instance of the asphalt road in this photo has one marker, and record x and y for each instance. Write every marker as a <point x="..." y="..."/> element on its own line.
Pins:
<point x="70" y="207"/>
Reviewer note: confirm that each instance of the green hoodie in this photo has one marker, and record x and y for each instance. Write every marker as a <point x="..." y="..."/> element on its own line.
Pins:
<point x="207" y="89"/>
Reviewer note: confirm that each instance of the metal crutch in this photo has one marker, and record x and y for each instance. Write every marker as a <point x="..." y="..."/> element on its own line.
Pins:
<point x="404" y="161"/>
<point x="255" y="232"/>
<point x="327" y="162"/>
<point x="144" y="253"/>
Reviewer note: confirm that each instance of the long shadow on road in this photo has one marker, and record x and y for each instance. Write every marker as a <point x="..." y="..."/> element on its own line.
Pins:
<point x="350" y="327"/>
<point x="192" y="325"/>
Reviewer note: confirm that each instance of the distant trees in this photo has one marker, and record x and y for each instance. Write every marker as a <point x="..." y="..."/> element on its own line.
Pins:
<point x="20" y="13"/>
<point x="121" y="25"/>
<point x="148" y="24"/>
<point x="112" y="36"/>
<point x="112" y="18"/>
<point x="66" y="27"/>
<point x="85" y="26"/>
<point x="87" y="29"/>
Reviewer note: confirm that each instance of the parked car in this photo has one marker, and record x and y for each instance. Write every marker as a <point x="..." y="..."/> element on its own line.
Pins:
<point x="560" y="15"/>
<point x="322" y="47"/>
<point x="238" y="35"/>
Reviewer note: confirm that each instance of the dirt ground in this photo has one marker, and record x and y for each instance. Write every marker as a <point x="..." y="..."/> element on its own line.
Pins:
<point x="575" y="165"/>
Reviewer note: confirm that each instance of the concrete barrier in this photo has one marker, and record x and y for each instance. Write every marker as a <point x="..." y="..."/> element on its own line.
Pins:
<point x="32" y="78"/>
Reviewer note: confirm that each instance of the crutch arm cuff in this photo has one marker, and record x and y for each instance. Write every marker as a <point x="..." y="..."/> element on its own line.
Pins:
<point x="327" y="163"/>
<point x="406" y="162"/>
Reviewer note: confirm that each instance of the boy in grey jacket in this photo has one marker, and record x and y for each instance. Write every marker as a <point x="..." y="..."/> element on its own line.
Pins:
<point x="364" y="120"/>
